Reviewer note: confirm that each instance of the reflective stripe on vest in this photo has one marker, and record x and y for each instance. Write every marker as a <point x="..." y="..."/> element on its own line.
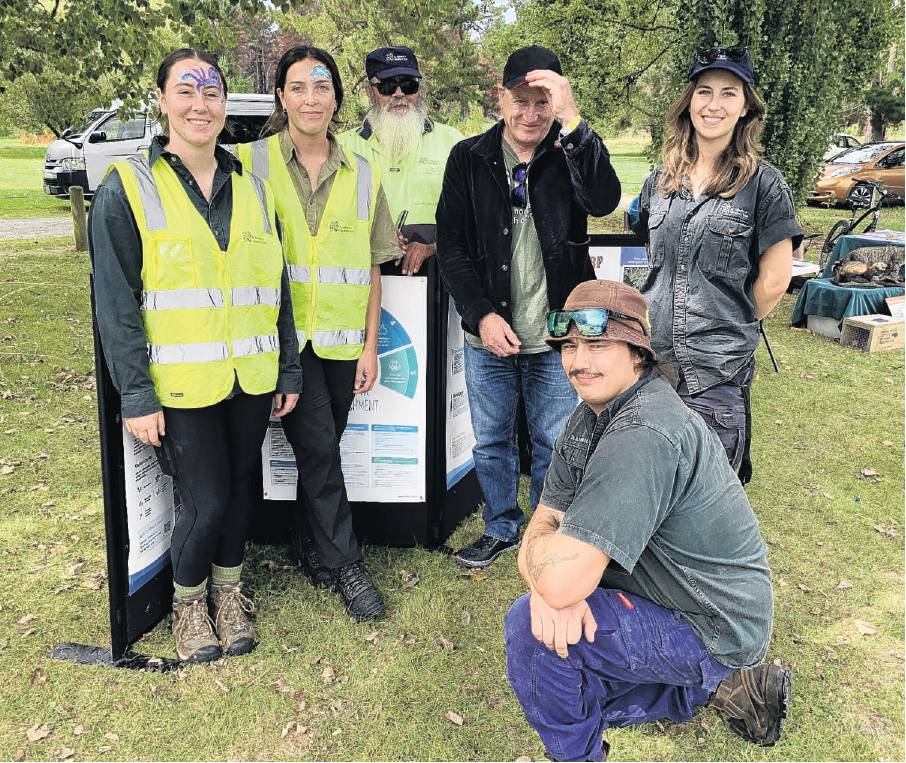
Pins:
<point x="246" y="296"/>
<point x="302" y="337"/>
<point x="299" y="273"/>
<point x="181" y="299"/>
<point x="358" y="276"/>
<point x="334" y="338"/>
<point x="253" y="345"/>
<point x="260" y="160"/>
<point x="198" y="352"/>
<point x="363" y="190"/>
<point x="262" y="201"/>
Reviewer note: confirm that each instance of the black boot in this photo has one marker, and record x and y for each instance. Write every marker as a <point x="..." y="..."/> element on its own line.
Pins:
<point x="363" y="600"/>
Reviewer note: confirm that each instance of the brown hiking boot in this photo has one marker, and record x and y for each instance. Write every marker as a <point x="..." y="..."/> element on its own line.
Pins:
<point x="754" y="702"/>
<point x="194" y="631"/>
<point x="233" y="614"/>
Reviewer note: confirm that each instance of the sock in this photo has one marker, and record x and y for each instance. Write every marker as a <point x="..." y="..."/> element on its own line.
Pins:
<point x="190" y="592"/>
<point x="225" y="575"/>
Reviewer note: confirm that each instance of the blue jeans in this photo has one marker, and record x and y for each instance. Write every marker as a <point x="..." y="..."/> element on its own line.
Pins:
<point x="646" y="663"/>
<point x="494" y="386"/>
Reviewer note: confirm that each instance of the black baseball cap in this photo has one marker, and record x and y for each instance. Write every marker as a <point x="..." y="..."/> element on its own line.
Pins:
<point x="527" y="59"/>
<point x="733" y="59"/>
<point x="393" y="61"/>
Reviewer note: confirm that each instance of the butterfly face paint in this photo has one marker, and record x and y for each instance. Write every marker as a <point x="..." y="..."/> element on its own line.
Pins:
<point x="320" y="72"/>
<point x="202" y="77"/>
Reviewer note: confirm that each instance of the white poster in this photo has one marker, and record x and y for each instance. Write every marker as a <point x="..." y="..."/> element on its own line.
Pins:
<point x="151" y="503"/>
<point x="628" y="264"/>
<point x="383" y="447"/>
<point x="460" y="437"/>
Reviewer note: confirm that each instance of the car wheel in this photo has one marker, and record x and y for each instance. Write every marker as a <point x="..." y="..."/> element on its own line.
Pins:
<point x="860" y="195"/>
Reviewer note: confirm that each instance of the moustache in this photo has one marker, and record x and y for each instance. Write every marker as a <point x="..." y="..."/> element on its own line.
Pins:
<point x="583" y="372"/>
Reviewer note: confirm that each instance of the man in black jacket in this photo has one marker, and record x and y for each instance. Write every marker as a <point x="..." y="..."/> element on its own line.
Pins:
<point x="512" y="243"/>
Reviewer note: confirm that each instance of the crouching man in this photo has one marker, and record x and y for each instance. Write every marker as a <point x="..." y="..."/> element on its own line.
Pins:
<point x="650" y="592"/>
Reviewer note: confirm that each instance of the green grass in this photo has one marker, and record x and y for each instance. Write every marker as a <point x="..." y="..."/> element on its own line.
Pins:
<point x="21" y="187"/>
<point x="831" y="413"/>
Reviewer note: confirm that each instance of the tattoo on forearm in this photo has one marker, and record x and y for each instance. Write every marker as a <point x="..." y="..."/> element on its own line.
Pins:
<point x="537" y="567"/>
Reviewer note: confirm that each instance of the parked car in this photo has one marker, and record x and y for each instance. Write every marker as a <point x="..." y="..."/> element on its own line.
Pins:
<point x="82" y="154"/>
<point x="840" y="143"/>
<point x="879" y="162"/>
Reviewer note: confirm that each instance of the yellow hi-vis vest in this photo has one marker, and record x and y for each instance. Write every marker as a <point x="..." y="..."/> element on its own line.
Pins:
<point x="413" y="181"/>
<point x="330" y="273"/>
<point x="210" y="315"/>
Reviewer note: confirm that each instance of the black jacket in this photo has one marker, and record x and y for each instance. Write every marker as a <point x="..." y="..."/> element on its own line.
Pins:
<point x="569" y="179"/>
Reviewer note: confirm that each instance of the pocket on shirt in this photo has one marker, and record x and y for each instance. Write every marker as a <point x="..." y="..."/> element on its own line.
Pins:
<point x="656" y="245"/>
<point x="724" y="252"/>
<point x="173" y="264"/>
<point x="729" y="424"/>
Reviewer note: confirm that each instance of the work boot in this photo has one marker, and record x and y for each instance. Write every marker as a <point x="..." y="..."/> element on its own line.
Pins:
<point x="309" y="560"/>
<point x="233" y="614"/>
<point x="193" y="630"/>
<point x="363" y="600"/>
<point x="754" y="702"/>
<point x="484" y="551"/>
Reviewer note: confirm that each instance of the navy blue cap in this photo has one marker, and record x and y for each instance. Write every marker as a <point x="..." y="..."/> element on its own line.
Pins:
<point x="393" y="61"/>
<point x="734" y="59"/>
<point x="525" y="60"/>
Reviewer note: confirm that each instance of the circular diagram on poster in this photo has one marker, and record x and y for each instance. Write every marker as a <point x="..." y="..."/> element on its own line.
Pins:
<point x="399" y="363"/>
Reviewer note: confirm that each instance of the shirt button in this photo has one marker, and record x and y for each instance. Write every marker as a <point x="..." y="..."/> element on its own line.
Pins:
<point x="504" y="267"/>
<point x="569" y="146"/>
<point x="504" y="303"/>
<point x="506" y="231"/>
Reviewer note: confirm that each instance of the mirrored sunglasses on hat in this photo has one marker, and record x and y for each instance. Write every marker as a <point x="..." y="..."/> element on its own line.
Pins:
<point x="735" y="53"/>
<point x="590" y="322"/>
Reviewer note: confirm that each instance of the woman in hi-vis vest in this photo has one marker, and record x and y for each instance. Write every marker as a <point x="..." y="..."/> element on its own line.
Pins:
<point x="196" y="324"/>
<point x="337" y="230"/>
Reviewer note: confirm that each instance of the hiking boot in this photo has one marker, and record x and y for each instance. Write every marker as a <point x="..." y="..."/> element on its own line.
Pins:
<point x="193" y="630"/>
<point x="754" y="702"/>
<point x="309" y="560"/>
<point x="233" y="614"/>
<point x="363" y="600"/>
<point x="484" y="551"/>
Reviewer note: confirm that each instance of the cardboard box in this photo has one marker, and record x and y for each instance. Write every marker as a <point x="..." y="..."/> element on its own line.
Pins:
<point x="873" y="333"/>
<point x="897" y="307"/>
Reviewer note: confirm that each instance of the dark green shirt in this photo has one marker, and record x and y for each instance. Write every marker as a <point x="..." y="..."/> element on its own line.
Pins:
<point x="116" y="254"/>
<point x="648" y="483"/>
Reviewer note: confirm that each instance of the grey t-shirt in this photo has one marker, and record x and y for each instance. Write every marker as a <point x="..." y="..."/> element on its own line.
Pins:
<point x="528" y="281"/>
<point x="647" y="482"/>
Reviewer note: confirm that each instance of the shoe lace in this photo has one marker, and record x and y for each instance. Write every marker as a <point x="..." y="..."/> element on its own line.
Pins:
<point x="352" y="578"/>
<point x="194" y="621"/>
<point x="234" y="607"/>
<point x="484" y="543"/>
<point x="311" y="551"/>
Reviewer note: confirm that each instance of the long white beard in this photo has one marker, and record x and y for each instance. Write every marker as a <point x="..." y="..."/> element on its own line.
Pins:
<point x="397" y="133"/>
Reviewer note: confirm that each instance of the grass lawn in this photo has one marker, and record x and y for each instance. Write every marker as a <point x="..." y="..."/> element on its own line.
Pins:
<point x="21" y="191"/>
<point x="835" y="537"/>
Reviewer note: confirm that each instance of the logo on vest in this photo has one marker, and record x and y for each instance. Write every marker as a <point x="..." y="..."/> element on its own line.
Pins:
<point x="726" y="209"/>
<point x="177" y="394"/>
<point x="337" y="227"/>
<point x="251" y="238"/>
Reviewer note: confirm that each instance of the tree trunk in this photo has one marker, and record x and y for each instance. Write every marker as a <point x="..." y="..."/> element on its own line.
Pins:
<point x="878" y="128"/>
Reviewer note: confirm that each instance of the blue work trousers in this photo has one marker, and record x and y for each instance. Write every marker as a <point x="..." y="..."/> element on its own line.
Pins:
<point x="645" y="663"/>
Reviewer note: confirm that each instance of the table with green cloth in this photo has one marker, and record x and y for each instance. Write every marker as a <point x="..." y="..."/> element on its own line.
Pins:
<point x="821" y="297"/>
<point x="846" y="244"/>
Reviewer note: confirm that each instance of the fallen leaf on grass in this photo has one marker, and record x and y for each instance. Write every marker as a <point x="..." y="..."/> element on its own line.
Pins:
<point x="75" y="569"/>
<point x="223" y="687"/>
<point x="26" y="619"/>
<point x="466" y="618"/>
<point x="815" y="610"/>
<point x="65" y="754"/>
<point x="7" y="469"/>
<point x="19" y="755"/>
<point x="410" y="579"/>
<point x="446" y="644"/>
<point x="372" y="637"/>
<point x="111" y="737"/>
<point x="890" y="532"/>
<point x="887" y="443"/>
<point x="39" y="732"/>
<point x="844" y="585"/>
<point x="294" y="728"/>
<point x="454" y="718"/>
<point x="281" y="688"/>
<point x="30" y="632"/>
<point x="95" y="581"/>
<point x="523" y="759"/>
<point x="866" y="628"/>
<point x="803" y="587"/>
<point x="104" y="748"/>
<point x="337" y="732"/>
<point x="78" y="729"/>
<point x="38" y="677"/>
<point x="328" y="676"/>
<point x="870" y="474"/>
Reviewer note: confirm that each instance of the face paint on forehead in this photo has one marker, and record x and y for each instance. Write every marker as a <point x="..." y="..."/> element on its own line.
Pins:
<point x="320" y="72"/>
<point x="201" y="77"/>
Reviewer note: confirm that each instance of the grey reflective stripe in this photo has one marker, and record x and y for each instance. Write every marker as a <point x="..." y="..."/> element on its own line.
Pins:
<point x="253" y="345"/>
<point x="181" y="299"/>
<point x="332" y="338"/>
<point x="262" y="201"/>
<point x="246" y="296"/>
<point x="152" y="207"/>
<point x="358" y="276"/>
<point x="363" y="195"/>
<point x="200" y="352"/>
<point x="299" y="273"/>
<point x="302" y="337"/>
<point x="260" y="161"/>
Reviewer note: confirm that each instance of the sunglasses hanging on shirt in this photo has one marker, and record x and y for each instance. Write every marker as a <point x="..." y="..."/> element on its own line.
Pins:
<point x="409" y="85"/>
<point x="519" y="191"/>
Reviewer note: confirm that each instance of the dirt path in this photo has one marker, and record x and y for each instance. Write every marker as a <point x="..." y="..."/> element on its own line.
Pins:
<point x="35" y="227"/>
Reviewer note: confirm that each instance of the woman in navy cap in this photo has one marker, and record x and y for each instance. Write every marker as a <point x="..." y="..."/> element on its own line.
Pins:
<point x="721" y="230"/>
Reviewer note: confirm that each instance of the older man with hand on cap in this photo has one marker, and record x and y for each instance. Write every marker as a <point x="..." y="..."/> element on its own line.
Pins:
<point x="410" y="148"/>
<point x="512" y="241"/>
<point x="649" y="587"/>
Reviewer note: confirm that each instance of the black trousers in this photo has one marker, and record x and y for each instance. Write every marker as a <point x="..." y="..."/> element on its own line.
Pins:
<point x="212" y="453"/>
<point x="314" y="429"/>
<point x="726" y="409"/>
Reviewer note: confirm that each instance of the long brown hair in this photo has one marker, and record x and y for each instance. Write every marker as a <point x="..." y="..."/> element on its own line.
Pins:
<point x="735" y="166"/>
<point x="278" y="119"/>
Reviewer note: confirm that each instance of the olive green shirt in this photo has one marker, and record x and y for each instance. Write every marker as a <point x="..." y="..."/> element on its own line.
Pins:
<point x="384" y="244"/>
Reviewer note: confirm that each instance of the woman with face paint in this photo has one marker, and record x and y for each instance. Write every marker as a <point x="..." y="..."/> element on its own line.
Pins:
<point x="721" y="229"/>
<point x="196" y="323"/>
<point x="337" y="230"/>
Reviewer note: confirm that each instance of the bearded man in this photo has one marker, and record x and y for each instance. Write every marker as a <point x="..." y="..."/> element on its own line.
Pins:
<point x="409" y="147"/>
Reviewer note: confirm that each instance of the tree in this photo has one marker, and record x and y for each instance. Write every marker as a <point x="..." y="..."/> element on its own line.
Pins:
<point x="885" y="97"/>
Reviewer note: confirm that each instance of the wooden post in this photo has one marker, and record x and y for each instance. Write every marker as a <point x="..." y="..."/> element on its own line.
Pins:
<point x="79" y="217"/>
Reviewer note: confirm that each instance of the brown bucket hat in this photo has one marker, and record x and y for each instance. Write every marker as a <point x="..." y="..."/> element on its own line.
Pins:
<point x="615" y="297"/>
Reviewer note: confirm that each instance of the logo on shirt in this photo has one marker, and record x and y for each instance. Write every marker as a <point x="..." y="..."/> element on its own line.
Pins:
<point x="726" y="209"/>
<point x="251" y="238"/>
<point x="337" y="227"/>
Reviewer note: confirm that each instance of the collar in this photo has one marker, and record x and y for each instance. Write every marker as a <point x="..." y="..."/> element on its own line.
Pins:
<point x="617" y="404"/>
<point x="365" y="131"/>
<point x="335" y="154"/>
<point x="226" y="162"/>
<point x="488" y="144"/>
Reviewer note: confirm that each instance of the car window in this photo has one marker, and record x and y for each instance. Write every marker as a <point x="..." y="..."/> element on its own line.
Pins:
<point x="81" y="125"/>
<point x="895" y="158"/>
<point x="863" y="154"/>
<point x="115" y="129"/>
<point x="850" y="142"/>
<point x="242" y="128"/>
